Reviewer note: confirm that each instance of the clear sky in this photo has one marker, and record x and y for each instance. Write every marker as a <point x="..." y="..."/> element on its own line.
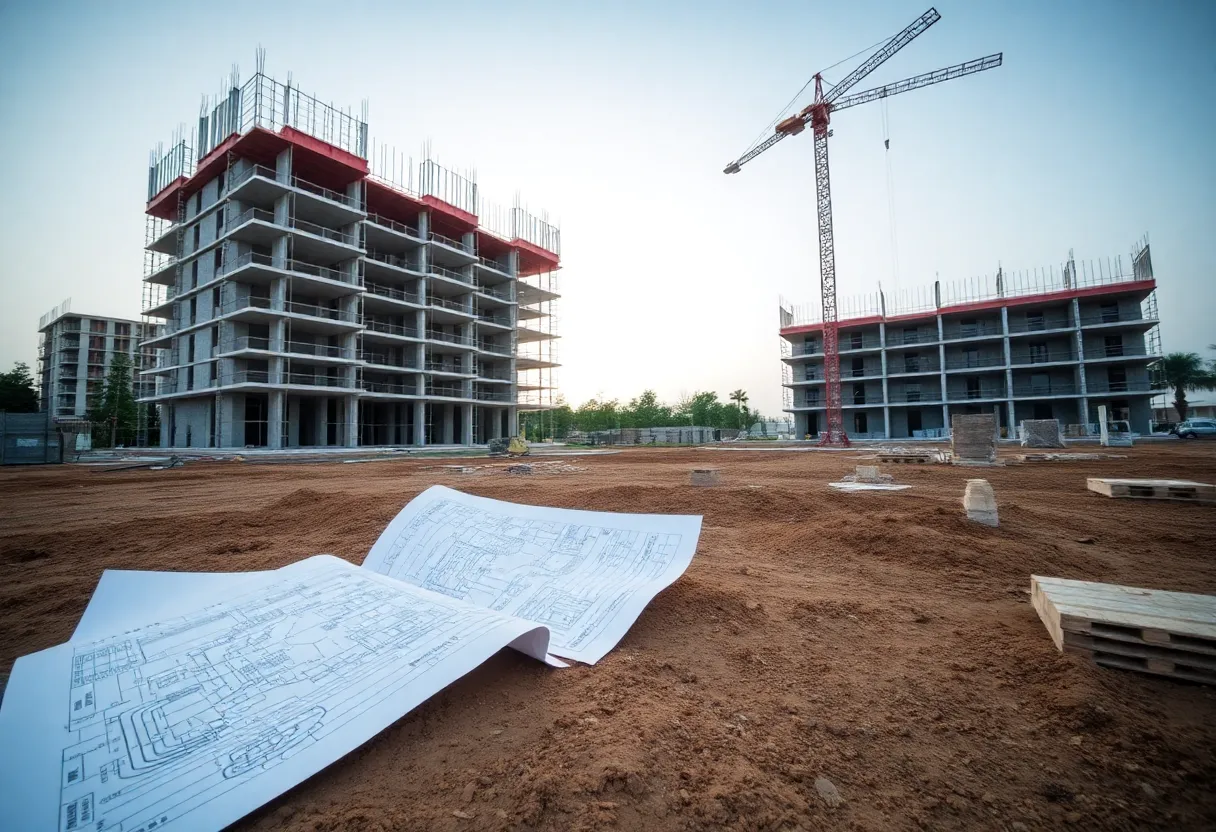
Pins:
<point x="618" y="118"/>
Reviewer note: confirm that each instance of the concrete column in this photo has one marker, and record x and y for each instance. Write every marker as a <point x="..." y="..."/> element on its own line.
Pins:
<point x="449" y="421"/>
<point x="941" y="373"/>
<point x="470" y="241"/>
<point x="1082" y="378"/>
<point x="282" y="165"/>
<point x="227" y="418"/>
<point x="512" y="420"/>
<point x="419" y="423"/>
<point x="292" y="420"/>
<point x="352" y="421"/>
<point x="467" y="412"/>
<point x="886" y="399"/>
<point x="1008" y="369"/>
<point x="424" y="226"/>
<point x="274" y="420"/>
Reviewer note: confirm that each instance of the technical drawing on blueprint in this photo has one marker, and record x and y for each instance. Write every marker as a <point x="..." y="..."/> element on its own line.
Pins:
<point x="585" y="575"/>
<point x="195" y="721"/>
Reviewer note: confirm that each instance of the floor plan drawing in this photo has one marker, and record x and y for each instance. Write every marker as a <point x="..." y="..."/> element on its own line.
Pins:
<point x="170" y="723"/>
<point x="585" y="575"/>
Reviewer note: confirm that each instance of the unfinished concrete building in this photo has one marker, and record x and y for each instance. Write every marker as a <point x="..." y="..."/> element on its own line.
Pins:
<point x="313" y="296"/>
<point x="75" y="352"/>
<point x="1050" y="345"/>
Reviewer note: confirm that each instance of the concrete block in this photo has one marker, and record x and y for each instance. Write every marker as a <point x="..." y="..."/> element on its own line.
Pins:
<point x="704" y="476"/>
<point x="973" y="437"/>
<point x="867" y="473"/>
<point x="980" y="502"/>
<point x="1041" y="433"/>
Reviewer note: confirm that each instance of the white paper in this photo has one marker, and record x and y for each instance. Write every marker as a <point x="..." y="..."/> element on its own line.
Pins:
<point x="867" y="486"/>
<point x="196" y="720"/>
<point x="126" y="599"/>
<point x="585" y="575"/>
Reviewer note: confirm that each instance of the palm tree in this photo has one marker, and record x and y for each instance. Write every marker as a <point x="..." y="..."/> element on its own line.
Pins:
<point x="1185" y="371"/>
<point x="739" y="397"/>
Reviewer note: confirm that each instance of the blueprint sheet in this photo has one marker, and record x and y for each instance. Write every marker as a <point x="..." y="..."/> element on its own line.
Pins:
<point x="585" y="575"/>
<point x="126" y="599"/>
<point x="196" y="720"/>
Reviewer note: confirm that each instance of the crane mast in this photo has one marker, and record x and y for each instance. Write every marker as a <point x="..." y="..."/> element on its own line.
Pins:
<point x="817" y="115"/>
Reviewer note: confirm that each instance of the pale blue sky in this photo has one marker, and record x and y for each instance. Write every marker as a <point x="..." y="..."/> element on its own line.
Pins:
<point x="618" y="119"/>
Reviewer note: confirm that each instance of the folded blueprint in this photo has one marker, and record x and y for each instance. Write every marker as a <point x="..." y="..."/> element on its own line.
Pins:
<point x="187" y="700"/>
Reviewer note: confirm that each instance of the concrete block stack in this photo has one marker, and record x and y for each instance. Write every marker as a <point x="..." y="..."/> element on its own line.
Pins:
<point x="973" y="437"/>
<point x="1041" y="433"/>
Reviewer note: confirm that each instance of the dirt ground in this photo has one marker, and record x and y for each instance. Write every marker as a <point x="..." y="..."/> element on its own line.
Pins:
<point x="879" y="640"/>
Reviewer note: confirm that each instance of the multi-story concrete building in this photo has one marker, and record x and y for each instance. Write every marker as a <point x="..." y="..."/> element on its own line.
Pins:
<point x="75" y="352"/>
<point x="314" y="299"/>
<point x="1039" y="347"/>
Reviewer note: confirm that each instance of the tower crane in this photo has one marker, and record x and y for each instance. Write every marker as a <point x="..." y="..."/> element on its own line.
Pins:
<point x="817" y="116"/>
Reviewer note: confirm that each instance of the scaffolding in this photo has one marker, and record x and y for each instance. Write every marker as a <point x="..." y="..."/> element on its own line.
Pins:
<point x="1002" y="284"/>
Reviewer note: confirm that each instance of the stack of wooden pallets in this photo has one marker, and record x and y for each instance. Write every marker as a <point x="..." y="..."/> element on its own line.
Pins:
<point x="1153" y="631"/>
<point x="1192" y="492"/>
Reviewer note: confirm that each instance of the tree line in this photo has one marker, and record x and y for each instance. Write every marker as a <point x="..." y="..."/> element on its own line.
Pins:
<point x="113" y="414"/>
<point x="701" y="409"/>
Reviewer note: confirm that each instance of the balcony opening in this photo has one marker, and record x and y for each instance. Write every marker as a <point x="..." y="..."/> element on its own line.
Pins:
<point x="1042" y="410"/>
<point x="912" y="392"/>
<point x="855" y="340"/>
<point x="1040" y="385"/>
<point x="911" y="335"/>
<point x="912" y="362"/>
<point x="859" y="367"/>
<point x="859" y="394"/>
<point x="968" y="328"/>
<point x="1110" y="311"/>
<point x="971" y="358"/>
<point x="861" y="423"/>
<point x="812" y="424"/>
<point x="1035" y="321"/>
<point x="914" y="421"/>
<point x="973" y="387"/>
<point x="1113" y="346"/>
<point x="1116" y="379"/>
<point x="810" y="345"/>
<point x="1038" y="352"/>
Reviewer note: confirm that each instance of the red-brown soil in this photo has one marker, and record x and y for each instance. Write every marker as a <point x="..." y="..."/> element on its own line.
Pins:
<point x="878" y="640"/>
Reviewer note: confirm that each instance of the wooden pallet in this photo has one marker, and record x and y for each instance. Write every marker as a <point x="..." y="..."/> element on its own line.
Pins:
<point x="1152" y="631"/>
<point x="906" y="459"/>
<point x="1182" y="490"/>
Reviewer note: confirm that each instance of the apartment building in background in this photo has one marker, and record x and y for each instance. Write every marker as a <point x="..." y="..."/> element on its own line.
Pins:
<point x="75" y="351"/>
<point x="1051" y="345"/>
<point x="313" y="294"/>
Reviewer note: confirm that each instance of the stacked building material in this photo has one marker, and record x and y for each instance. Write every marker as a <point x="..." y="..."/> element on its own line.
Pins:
<point x="1149" y="630"/>
<point x="973" y="438"/>
<point x="1041" y="433"/>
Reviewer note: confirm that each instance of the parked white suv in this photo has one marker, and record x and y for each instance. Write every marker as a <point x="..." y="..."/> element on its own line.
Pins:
<point x="1196" y="428"/>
